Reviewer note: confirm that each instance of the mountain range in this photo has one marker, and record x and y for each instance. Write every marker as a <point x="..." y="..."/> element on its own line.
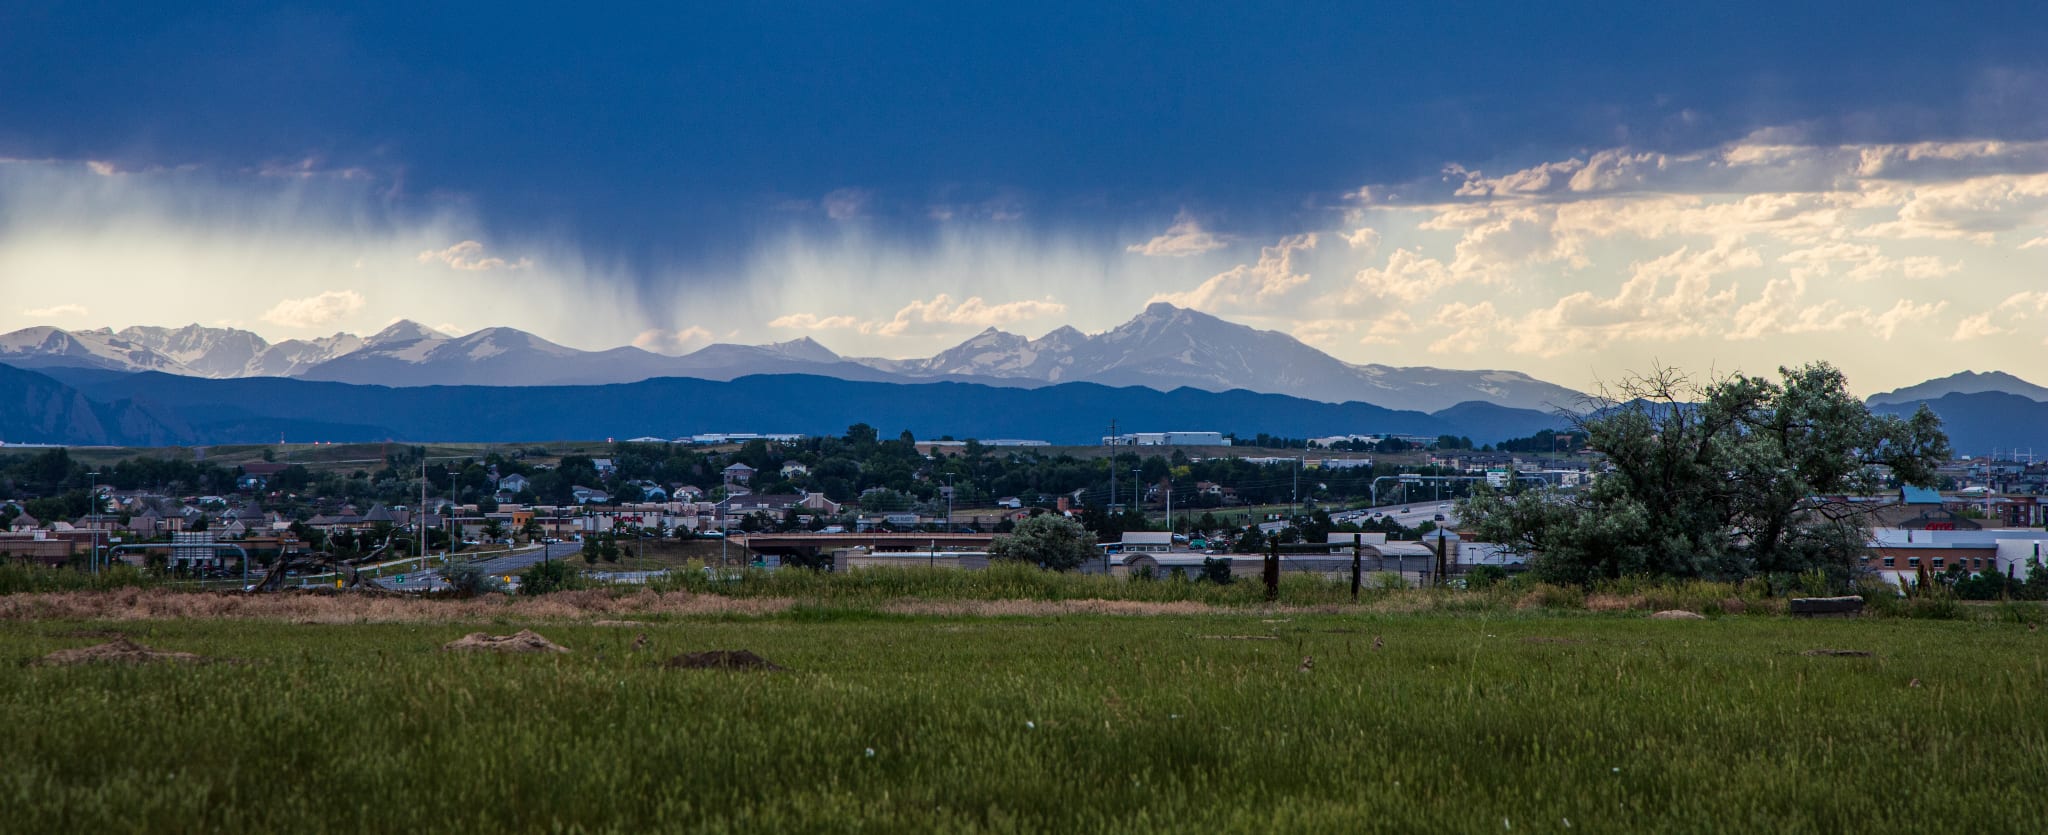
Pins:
<point x="88" y="406"/>
<point x="1163" y="348"/>
<point x="83" y="406"/>
<point x="1966" y="382"/>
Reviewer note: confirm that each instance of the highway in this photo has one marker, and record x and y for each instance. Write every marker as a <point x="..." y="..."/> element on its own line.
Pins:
<point x="510" y="564"/>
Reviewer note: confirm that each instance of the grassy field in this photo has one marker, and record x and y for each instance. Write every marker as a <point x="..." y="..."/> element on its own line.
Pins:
<point x="890" y="723"/>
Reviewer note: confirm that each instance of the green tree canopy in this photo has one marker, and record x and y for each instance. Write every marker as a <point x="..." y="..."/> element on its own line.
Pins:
<point x="1745" y="476"/>
<point x="1048" y="541"/>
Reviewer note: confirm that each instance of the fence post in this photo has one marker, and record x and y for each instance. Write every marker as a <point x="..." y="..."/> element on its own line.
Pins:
<point x="1443" y="566"/>
<point x="1357" y="559"/>
<point x="1273" y="569"/>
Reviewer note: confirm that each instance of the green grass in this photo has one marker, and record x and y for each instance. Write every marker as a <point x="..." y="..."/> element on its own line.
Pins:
<point x="1472" y="723"/>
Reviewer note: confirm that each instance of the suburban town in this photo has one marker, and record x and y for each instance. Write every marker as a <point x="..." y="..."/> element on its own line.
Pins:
<point x="839" y="504"/>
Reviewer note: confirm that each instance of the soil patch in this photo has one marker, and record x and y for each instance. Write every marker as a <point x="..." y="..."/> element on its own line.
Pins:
<point x="1677" y="614"/>
<point x="723" y="659"/>
<point x="1841" y="653"/>
<point x="117" y="651"/>
<point x="525" y="640"/>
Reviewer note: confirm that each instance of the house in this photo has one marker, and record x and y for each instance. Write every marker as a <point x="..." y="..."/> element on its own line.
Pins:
<point x="792" y="469"/>
<point x="514" y="483"/>
<point x="604" y="466"/>
<point x="589" y="495"/>
<point x="818" y="502"/>
<point x="1011" y="502"/>
<point x="686" y="493"/>
<point x="739" y="473"/>
<point x="1146" y="542"/>
<point x="764" y="503"/>
<point x="147" y="523"/>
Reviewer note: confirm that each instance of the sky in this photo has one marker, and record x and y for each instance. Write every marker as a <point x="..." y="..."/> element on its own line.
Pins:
<point x="1574" y="190"/>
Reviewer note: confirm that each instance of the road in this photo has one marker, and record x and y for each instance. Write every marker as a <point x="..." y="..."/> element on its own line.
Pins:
<point x="1408" y="515"/>
<point x="512" y="563"/>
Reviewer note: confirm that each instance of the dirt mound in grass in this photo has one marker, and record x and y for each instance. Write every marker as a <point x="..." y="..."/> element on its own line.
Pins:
<point x="117" y="651"/>
<point x="723" y="659"/>
<point x="525" y="640"/>
<point x="1677" y="614"/>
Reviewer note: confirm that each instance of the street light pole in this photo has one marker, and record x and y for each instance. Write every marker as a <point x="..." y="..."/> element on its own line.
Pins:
<point x="92" y="494"/>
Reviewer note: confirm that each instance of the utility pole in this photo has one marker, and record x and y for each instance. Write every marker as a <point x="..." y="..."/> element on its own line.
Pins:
<point x="1137" y="503"/>
<point x="419" y="520"/>
<point x="949" y="503"/>
<point x="1112" y="464"/>
<point x="1296" y="508"/>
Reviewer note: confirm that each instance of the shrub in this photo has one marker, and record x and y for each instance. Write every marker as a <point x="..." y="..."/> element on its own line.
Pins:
<point x="1547" y="596"/>
<point x="1484" y="577"/>
<point x="1881" y="599"/>
<point x="469" y="580"/>
<point x="549" y="576"/>
<point x="1216" y="571"/>
<point x="2015" y="611"/>
<point x="1936" y="606"/>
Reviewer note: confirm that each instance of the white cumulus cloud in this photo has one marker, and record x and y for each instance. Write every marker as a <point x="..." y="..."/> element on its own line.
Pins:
<point x="314" y="311"/>
<point x="673" y="342"/>
<point x="1249" y="285"/>
<point x="812" y="321"/>
<point x="1185" y="237"/>
<point x="469" y="256"/>
<point x="55" y="311"/>
<point x="943" y="310"/>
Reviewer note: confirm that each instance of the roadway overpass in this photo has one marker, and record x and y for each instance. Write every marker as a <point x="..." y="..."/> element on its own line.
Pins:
<point x="816" y="544"/>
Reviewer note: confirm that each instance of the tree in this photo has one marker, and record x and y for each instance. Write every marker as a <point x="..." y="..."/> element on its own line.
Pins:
<point x="1740" y="478"/>
<point x="494" y="530"/>
<point x="1047" y="541"/>
<point x="532" y="530"/>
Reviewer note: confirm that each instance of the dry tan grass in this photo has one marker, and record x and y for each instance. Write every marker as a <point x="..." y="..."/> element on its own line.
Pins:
<point x="1615" y="602"/>
<point x="117" y="651"/>
<point x="525" y="640"/>
<point x="162" y="604"/>
<point x="1040" y="608"/>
